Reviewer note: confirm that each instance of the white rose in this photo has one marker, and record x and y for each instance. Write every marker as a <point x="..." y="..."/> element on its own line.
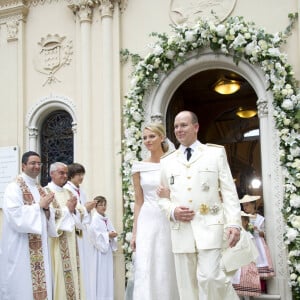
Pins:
<point x="190" y="36"/>
<point x="296" y="164"/>
<point x="170" y="54"/>
<point x="288" y="86"/>
<point x="247" y="35"/>
<point x="221" y="30"/>
<point x="295" y="151"/>
<point x="274" y="51"/>
<point x="137" y="116"/>
<point x="133" y="82"/>
<point x="295" y="220"/>
<point x="263" y="44"/>
<point x="128" y="236"/>
<point x="287" y="104"/>
<point x="295" y="200"/>
<point x="158" y="50"/>
<point x="132" y="206"/>
<point x="293" y="276"/>
<point x="156" y="62"/>
<point x="239" y="41"/>
<point x="291" y="234"/>
<point x="129" y="156"/>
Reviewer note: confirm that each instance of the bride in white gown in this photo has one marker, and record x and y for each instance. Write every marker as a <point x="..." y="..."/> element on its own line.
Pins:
<point x="154" y="277"/>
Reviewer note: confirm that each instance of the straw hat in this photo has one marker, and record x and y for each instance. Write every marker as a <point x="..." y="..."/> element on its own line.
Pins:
<point x="248" y="198"/>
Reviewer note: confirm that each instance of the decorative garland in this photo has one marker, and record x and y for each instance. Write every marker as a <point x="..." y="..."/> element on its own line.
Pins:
<point x="242" y="40"/>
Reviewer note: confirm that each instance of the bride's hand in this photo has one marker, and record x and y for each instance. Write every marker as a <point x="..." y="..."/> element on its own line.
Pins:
<point x="132" y="243"/>
<point x="163" y="192"/>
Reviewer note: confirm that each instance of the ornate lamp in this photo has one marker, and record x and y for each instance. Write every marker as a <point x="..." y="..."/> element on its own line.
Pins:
<point x="246" y="113"/>
<point x="226" y="86"/>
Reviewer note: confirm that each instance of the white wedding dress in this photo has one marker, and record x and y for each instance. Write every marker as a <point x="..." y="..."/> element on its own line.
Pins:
<point x="154" y="277"/>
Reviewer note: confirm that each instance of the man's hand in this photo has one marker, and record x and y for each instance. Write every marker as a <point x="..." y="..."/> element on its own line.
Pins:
<point x="46" y="200"/>
<point x="112" y="234"/>
<point x="183" y="214"/>
<point x="71" y="204"/>
<point x="89" y="205"/>
<point x="233" y="235"/>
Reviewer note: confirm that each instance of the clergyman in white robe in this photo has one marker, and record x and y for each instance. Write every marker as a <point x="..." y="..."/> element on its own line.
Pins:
<point x="84" y="246"/>
<point x="18" y="221"/>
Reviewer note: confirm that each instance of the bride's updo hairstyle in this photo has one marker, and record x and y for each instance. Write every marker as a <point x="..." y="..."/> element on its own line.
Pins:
<point x="159" y="129"/>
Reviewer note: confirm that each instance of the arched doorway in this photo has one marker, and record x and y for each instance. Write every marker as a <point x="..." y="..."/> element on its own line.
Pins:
<point x="220" y="123"/>
<point x="56" y="141"/>
<point x="50" y="121"/>
<point x="159" y="103"/>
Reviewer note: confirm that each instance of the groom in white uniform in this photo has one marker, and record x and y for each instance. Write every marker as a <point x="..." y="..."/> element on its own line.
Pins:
<point x="203" y="205"/>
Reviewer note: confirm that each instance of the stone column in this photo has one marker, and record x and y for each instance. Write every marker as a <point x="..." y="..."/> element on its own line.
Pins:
<point x="13" y="15"/>
<point x="106" y="11"/>
<point x="83" y="10"/>
<point x="272" y="196"/>
<point x="111" y="136"/>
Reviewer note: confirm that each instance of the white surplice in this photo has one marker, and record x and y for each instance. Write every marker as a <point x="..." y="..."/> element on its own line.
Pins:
<point x="84" y="246"/>
<point x="102" y="271"/>
<point x="18" y="221"/>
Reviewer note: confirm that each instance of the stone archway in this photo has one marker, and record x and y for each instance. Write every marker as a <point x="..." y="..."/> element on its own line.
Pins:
<point x="38" y="113"/>
<point x="156" y="108"/>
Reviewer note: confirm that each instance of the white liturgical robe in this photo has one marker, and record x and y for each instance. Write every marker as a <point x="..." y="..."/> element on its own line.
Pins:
<point x="18" y="221"/>
<point x="102" y="271"/>
<point x="84" y="246"/>
<point x="66" y="272"/>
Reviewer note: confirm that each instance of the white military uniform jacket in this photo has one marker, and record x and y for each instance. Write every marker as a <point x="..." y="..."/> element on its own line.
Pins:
<point x="205" y="184"/>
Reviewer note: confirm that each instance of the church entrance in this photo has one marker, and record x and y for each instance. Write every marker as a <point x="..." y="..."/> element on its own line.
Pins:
<point x="226" y="117"/>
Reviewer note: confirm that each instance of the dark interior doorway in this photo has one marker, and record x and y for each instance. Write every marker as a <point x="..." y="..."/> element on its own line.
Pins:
<point x="219" y="123"/>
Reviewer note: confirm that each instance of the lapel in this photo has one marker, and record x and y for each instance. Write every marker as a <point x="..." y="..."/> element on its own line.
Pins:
<point x="196" y="154"/>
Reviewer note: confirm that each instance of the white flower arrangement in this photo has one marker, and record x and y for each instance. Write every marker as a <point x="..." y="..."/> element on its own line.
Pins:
<point x="242" y="40"/>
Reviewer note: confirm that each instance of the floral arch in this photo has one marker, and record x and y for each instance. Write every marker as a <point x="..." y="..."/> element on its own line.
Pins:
<point x="161" y="95"/>
<point x="242" y="41"/>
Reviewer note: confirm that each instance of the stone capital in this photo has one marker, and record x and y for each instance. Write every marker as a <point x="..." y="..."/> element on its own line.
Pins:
<point x="33" y="131"/>
<point x="83" y="9"/>
<point x="106" y="8"/>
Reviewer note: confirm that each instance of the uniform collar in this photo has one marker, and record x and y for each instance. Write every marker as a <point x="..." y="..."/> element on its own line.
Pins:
<point x="193" y="147"/>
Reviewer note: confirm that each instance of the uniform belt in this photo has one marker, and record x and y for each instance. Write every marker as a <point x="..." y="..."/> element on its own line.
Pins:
<point x="205" y="209"/>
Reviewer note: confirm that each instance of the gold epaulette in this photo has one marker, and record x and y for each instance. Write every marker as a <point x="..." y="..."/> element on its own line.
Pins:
<point x="168" y="153"/>
<point x="215" y="145"/>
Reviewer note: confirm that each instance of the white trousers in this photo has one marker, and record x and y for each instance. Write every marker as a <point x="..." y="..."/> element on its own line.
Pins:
<point x="200" y="276"/>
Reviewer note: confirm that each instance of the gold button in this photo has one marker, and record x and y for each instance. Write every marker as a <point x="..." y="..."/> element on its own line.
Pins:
<point x="189" y="189"/>
<point x="190" y="201"/>
<point x="189" y="177"/>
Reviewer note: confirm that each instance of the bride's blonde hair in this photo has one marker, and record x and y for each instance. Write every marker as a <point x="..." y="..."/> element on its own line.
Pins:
<point x="159" y="129"/>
